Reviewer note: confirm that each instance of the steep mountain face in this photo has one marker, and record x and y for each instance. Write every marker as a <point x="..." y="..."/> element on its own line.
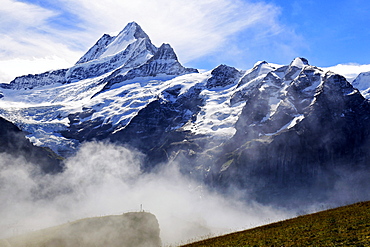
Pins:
<point x="324" y="133"/>
<point x="274" y="129"/>
<point x="14" y="142"/>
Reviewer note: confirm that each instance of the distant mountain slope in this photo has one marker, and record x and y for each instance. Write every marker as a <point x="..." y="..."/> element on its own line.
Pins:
<point x="127" y="230"/>
<point x="344" y="226"/>
<point x="362" y="82"/>
<point x="14" y="142"/>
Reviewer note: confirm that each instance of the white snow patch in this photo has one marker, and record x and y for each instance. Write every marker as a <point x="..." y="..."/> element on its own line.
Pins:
<point x="217" y="116"/>
<point x="297" y="62"/>
<point x="289" y="125"/>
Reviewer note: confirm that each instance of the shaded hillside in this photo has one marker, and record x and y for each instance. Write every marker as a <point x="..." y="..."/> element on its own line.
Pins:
<point x="130" y="229"/>
<point x="344" y="226"/>
<point x="14" y="142"/>
<point x="328" y="136"/>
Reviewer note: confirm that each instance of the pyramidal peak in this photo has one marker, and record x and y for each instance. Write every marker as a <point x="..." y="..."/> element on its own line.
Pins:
<point x="109" y="45"/>
<point x="129" y="49"/>
<point x="136" y="30"/>
<point x="299" y="62"/>
<point x="128" y="35"/>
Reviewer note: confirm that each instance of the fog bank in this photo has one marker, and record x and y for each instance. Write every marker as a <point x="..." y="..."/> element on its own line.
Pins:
<point x="105" y="179"/>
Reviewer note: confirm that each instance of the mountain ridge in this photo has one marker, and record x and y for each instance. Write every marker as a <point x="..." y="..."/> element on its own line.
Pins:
<point x="289" y="124"/>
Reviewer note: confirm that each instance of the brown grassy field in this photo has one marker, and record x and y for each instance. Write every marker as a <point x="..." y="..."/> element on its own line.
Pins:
<point x="344" y="226"/>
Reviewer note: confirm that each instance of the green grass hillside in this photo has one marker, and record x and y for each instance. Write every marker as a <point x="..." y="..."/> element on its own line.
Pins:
<point x="139" y="229"/>
<point x="344" y="226"/>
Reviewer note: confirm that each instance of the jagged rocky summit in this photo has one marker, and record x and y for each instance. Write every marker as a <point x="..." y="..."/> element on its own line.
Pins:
<point x="275" y="129"/>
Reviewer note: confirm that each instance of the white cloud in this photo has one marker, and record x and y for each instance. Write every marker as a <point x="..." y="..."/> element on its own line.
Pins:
<point x="350" y="71"/>
<point x="104" y="179"/>
<point x="12" y="67"/>
<point x="22" y="15"/>
<point x="28" y="43"/>
<point x="194" y="28"/>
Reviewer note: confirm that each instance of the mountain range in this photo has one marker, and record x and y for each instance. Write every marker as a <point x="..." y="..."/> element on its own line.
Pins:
<point x="277" y="132"/>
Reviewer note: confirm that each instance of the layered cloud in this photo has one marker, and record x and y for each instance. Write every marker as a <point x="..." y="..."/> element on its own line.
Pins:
<point x="350" y="71"/>
<point x="194" y="28"/>
<point x="104" y="179"/>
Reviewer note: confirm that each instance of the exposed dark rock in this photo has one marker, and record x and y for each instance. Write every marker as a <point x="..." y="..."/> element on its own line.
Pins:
<point x="38" y="80"/>
<point x="333" y="136"/>
<point x="14" y="142"/>
<point x="156" y="128"/>
<point x="223" y="76"/>
<point x="164" y="62"/>
<point x="96" y="50"/>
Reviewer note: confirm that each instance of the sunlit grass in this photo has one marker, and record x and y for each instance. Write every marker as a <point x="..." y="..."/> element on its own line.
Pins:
<point x="344" y="226"/>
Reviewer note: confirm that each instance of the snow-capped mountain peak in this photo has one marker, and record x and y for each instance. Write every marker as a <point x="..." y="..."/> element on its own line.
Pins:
<point x="108" y="45"/>
<point x="299" y="62"/>
<point x="128" y="35"/>
<point x="129" y="49"/>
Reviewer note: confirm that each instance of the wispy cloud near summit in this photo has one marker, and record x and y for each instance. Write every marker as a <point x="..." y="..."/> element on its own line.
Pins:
<point x="36" y="36"/>
<point x="61" y="31"/>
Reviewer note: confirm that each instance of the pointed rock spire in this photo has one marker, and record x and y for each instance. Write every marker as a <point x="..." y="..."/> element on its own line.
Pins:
<point x="129" y="49"/>
<point x="108" y="45"/>
<point x="164" y="62"/>
<point x="137" y="31"/>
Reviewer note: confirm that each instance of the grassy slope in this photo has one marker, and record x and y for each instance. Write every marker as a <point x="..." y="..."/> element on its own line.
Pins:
<point x="128" y="230"/>
<point x="344" y="226"/>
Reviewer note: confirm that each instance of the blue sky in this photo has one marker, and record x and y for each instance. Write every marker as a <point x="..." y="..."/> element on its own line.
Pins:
<point x="38" y="35"/>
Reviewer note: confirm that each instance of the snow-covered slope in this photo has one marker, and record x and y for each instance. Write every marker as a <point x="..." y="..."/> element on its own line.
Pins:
<point x="38" y="80"/>
<point x="43" y="104"/>
<point x="362" y="83"/>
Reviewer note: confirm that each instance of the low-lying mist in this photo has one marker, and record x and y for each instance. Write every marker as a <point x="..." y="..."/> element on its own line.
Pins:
<point x="104" y="179"/>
